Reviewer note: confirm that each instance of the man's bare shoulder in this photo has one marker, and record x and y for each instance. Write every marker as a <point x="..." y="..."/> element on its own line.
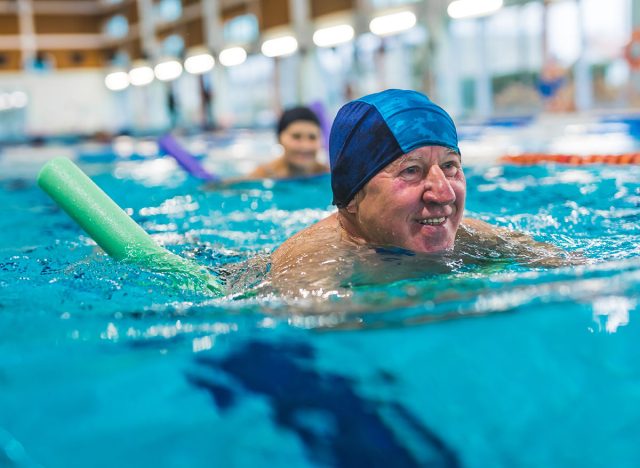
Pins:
<point x="478" y="226"/>
<point x="320" y="168"/>
<point x="270" y="169"/>
<point x="515" y="244"/>
<point x="477" y="231"/>
<point x="311" y="240"/>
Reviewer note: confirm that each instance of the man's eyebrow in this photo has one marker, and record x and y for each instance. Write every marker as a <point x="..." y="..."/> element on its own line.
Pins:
<point x="454" y="153"/>
<point x="410" y="157"/>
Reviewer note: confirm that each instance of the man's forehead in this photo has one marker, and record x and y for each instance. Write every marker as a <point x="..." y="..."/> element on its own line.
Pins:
<point x="418" y="154"/>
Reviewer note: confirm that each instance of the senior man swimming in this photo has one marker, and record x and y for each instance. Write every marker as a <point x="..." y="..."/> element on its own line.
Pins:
<point x="398" y="183"/>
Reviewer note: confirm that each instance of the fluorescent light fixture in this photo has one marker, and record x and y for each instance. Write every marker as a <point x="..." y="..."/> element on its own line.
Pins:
<point x="232" y="56"/>
<point x="284" y="45"/>
<point x="18" y="99"/>
<point x="4" y="101"/>
<point x="392" y="23"/>
<point x="168" y="70"/>
<point x="117" y="81"/>
<point x="333" y="35"/>
<point x="199" y="63"/>
<point x="141" y="75"/>
<point x="473" y="8"/>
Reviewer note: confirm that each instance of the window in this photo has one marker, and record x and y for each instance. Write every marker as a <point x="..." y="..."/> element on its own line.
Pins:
<point x="563" y="32"/>
<point x="242" y="29"/>
<point x="116" y="27"/>
<point x="173" y="45"/>
<point x="607" y="28"/>
<point x="119" y="58"/>
<point x="168" y="10"/>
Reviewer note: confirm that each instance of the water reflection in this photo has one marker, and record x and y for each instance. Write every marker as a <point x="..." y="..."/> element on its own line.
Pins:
<point x="614" y="310"/>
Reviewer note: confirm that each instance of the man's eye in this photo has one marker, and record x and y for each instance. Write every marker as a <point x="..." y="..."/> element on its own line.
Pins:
<point x="450" y="168"/>
<point x="411" y="170"/>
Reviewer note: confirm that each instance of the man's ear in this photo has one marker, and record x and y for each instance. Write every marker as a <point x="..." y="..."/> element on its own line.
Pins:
<point x="352" y="206"/>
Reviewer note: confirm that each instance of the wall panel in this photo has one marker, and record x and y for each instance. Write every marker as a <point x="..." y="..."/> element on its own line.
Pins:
<point x="56" y="24"/>
<point x="10" y="60"/>
<point x="325" y="7"/>
<point x="9" y="24"/>
<point x="274" y="13"/>
<point x="65" y="59"/>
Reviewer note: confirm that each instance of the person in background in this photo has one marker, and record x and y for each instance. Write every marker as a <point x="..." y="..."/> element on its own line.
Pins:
<point x="399" y="186"/>
<point x="556" y="88"/>
<point x="300" y="135"/>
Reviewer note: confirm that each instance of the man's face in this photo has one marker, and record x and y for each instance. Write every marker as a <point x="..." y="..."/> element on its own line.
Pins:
<point x="301" y="142"/>
<point x="415" y="203"/>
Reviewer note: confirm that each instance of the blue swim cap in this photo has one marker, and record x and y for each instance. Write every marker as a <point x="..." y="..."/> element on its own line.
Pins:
<point x="371" y="132"/>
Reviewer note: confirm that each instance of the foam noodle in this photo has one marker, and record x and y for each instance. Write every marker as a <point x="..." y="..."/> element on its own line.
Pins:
<point x="114" y="230"/>
<point x="187" y="161"/>
<point x="325" y="123"/>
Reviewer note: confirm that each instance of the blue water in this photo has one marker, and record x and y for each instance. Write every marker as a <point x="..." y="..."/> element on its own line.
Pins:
<point x="103" y="365"/>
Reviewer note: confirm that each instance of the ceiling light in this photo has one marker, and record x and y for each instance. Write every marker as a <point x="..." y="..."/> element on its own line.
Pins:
<point x="199" y="63"/>
<point x="18" y="99"/>
<point x="333" y="35"/>
<point x="117" y="81"/>
<point x="232" y="56"/>
<point x="141" y="75"/>
<point x="473" y="8"/>
<point x="168" y="70"/>
<point x="392" y="23"/>
<point x="279" y="46"/>
<point x="4" y="101"/>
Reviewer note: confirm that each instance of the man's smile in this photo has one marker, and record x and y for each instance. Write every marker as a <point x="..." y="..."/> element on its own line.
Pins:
<point x="433" y="221"/>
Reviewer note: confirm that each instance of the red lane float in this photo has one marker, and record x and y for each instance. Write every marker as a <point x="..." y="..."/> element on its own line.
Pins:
<point x="530" y="159"/>
<point x="632" y="50"/>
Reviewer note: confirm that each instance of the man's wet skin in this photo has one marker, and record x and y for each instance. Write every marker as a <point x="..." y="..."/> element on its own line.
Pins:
<point x="324" y="257"/>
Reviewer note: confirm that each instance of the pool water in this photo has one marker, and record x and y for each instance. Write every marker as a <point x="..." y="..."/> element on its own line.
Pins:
<point x="102" y="364"/>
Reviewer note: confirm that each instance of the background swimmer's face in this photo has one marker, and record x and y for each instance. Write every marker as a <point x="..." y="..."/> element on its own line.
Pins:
<point x="416" y="202"/>
<point x="301" y="142"/>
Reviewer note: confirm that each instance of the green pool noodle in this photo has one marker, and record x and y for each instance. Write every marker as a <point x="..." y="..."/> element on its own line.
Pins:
<point x="113" y="230"/>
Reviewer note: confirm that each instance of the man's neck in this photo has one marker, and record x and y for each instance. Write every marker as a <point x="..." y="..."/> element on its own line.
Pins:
<point x="349" y="230"/>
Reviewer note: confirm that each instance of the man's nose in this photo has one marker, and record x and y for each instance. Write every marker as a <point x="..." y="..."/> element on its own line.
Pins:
<point x="438" y="188"/>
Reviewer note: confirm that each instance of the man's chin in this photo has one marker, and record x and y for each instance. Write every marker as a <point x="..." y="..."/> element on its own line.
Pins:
<point x="427" y="246"/>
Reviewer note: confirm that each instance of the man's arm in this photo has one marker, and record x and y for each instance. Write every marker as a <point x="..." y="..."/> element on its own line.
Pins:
<point x="517" y="245"/>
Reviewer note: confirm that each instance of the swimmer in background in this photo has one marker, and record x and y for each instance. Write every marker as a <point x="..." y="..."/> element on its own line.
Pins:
<point x="300" y="135"/>
<point x="556" y="90"/>
<point x="398" y="182"/>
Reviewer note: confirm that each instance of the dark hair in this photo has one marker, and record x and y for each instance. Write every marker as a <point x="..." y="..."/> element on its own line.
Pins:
<point x="294" y="114"/>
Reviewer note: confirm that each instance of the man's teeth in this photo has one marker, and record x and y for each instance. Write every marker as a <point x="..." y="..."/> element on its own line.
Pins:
<point x="433" y="221"/>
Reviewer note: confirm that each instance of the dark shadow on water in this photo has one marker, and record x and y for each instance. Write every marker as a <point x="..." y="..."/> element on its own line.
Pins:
<point x="336" y="425"/>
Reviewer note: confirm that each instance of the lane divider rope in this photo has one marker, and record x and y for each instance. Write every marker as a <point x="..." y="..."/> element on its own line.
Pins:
<point x="529" y="159"/>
